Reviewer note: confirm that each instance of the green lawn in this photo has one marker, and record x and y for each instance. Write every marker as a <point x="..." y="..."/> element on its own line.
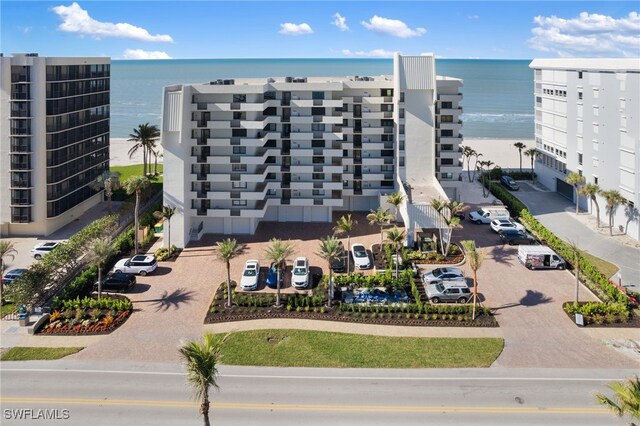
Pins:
<point x="300" y="348"/>
<point x="7" y="308"/>
<point x="136" y="170"/>
<point x="608" y="269"/>
<point x="30" y="354"/>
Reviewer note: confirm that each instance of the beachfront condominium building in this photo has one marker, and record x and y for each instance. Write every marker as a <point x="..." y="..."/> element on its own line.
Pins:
<point x="54" y="140"/>
<point x="587" y="121"/>
<point x="241" y="151"/>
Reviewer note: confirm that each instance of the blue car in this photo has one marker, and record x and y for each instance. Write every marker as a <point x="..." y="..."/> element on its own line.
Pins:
<point x="272" y="276"/>
<point x="12" y="275"/>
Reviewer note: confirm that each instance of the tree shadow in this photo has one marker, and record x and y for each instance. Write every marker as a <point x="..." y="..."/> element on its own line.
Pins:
<point x="532" y="298"/>
<point x="166" y="301"/>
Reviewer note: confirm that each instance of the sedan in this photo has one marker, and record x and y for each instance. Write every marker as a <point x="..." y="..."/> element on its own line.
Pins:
<point x="249" y="280"/>
<point x="506" y="224"/>
<point x="439" y="275"/>
<point x="300" y="273"/>
<point x="513" y="237"/>
<point x="360" y="256"/>
<point x="272" y="276"/>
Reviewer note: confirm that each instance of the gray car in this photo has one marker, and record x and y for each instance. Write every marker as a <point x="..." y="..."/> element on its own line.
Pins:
<point x="448" y="291"/>
<point x="442" y="274"/>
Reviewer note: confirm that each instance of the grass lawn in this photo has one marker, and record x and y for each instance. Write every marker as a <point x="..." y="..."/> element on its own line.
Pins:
<point x="608" y="269"/>
<point x="300" y="348"/>
<point x="29" y="354"/>
<point x="7" y="308"/>
<point x="136" y="170"/>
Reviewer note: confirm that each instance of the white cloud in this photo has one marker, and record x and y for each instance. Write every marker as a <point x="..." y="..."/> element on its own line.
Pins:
<point x="392" y="27"/>
<point x="340" y="22"/>
<point x="77" y="20"/>
<point x="145" y="54"/>
<point x="473" y="16"/>
<point x="375" y="53"/>
<point x="295" y="29"/>
<point x="587" y="35"/>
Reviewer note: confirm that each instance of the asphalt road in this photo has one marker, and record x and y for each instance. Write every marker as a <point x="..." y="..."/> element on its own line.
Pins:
<point x="156" y="394"/>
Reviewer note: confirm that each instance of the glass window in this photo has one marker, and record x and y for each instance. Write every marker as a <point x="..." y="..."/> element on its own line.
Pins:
<point x="239" y="98"/>
<point x="317" y="95"/>
<point x="239" y="167"/>
<point x="239" y="149"/>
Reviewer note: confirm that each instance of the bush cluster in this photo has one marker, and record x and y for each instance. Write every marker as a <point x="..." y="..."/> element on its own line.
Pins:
<point x="164" y="253"/>
<point x="599" y="313"/>
<point x="414" y="308"/>
<point x="496" y="173"/>
<point x="118" y="305"/>
<point x="386" y="280"/>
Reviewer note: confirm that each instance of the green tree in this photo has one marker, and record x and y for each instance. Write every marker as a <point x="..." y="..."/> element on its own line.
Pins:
<point x="330" y="250"/>
<point x="100" y="250"/>
<point x="591" y="190"/>
<point x="278" y="252"/>
<point x="225" y="251"/>
<point x="626" y="399"/>
<point x="576" y="179"/>
<point x="474" y="258"/>
<point x="395" y="200"/>
<point x="613" y="199"/>
<point x="7" y="249"/>
<point x="577" y="255"/>
<point x="520" y="147"/>
<point x="396" y="238"/>
<point x="144" y="138"/>
<point x="109" y="182"/>
<point x="136" y="184"/>
<point x="381" y="218"/>
<point x="532" y="153"/>
<point x="345" y="225"/>
<point x="201" y="361"/>
<point x="165" y="215"/>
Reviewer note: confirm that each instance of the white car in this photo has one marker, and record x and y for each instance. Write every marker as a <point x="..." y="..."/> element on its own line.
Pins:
<point x="249" y="280"/>
<point x="439" y="275"/>
<point x="360" y="256"/>
<point x="39" y="251"/>
<point x="141" y="264"/>
<point x="504" y="224"/>
<point x="300" y="273"/>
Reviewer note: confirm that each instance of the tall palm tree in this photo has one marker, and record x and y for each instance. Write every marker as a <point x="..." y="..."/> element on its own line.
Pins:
<point x="395" y="200"/>
<point x="627" y="398"/>
<point x="136" y="184"/>
<point x="485" y="175"/>
<point x="166" y="214"/>
<point x="345" y="225"/>
<point x="144" y="138"/>
<point x="451" y="220"/>
<point x="278" y="252"/>
<point x="532" y="153"/>
<point x="201" y="361"/>
<point x="577" y="255"/>
<point x="613" y="198"/>
<point x="225" y="251"/>
<point x="330" y="250"/>
<point x="474" y="258"/>
<point x="475" y="166"/>
<point x="575" y="179"/>
<point x="7" y="249"/>
<point x="109" y="181"/>
<point x="438" y="205"/>
<point x="381" y="218"/>
<point x="520" y="147"/>
<point x="591" y="190"/>
<point x="467" y="153"/>
<point x="396" y="237"/>
<point x="100" y="250"/>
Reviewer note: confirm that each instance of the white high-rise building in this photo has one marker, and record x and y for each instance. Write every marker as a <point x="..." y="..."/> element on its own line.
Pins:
<point x="588" y="121"/>
<point x="54" y="140"/>
<point x="238" y="152"/>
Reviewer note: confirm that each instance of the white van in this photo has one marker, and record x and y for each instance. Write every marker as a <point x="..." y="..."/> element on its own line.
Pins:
<point x="540" y="257"/>
<point x="488" y="213"/>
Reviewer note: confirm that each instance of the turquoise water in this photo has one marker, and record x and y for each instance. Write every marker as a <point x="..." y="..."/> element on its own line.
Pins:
<point x="497" y="94"/>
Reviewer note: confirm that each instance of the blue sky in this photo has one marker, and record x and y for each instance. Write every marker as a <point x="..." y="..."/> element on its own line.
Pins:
<point x="329" y="29"/>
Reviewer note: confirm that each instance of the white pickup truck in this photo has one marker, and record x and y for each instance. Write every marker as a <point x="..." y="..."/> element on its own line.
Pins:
<point x="488" y="213"/>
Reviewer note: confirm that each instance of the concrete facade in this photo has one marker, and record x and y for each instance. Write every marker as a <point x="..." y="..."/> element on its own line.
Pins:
<point x="587" y="115"/>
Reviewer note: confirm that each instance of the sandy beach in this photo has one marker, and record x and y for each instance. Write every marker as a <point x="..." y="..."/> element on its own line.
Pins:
<point x="119" y="148"/>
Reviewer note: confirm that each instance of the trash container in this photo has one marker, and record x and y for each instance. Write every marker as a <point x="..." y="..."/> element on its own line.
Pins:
<point x="23" y="319"/>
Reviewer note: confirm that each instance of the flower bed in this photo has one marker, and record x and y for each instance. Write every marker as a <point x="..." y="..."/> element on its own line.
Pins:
<point x="88" y="316"/>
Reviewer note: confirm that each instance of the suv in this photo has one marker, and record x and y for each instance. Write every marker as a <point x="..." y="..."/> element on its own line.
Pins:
<point x="508" y="182"/>
<point x="512" y="237"/>
<point x="448" y="291"/>
<point x="141" y="264"/>
<point x="39" y="251"/>
<point x="117" y="282"/>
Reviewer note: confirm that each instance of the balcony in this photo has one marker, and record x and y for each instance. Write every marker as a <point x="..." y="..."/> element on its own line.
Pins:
<point x="21" y="165"/>
<point x="21" y="183"/>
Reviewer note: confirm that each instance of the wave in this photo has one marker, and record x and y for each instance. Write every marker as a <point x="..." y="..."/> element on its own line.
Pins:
<point x="497" y="118"/>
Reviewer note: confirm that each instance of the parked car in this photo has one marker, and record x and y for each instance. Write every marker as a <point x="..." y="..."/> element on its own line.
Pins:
<point x="141" y="264"/>
<point x="508" y="182"/>
<point x="41" y="250"/>
<point x="513" y="237"/>
<point x="442" y="274"/>
<point x="12" y="275"/>
<point x="272" y="276"/>
<point x="338" y="265"/>
<point x="300" y="273"/>
<point x="250" y="274"/>
<point x="488" y="213"/>
<point x="449" y="291"/>
<point x="360" y="256"/>
<point x="505" y="224"/>
<point x="118" y="282"/>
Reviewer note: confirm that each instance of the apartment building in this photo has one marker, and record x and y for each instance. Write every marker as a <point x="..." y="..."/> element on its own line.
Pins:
<point x="54" y="140"/>
<point x="241" y="151"/>
<point x="587" y="121"/>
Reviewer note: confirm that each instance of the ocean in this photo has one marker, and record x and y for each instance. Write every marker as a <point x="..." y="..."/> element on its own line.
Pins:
<point x="497" y="94"/>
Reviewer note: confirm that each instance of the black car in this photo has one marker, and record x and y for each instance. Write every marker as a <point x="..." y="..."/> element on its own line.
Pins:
<point x="117" y="282"/>
<point x="513" y="237"/>
<point x="338" y="264"/>
<point x="508" y="182"/>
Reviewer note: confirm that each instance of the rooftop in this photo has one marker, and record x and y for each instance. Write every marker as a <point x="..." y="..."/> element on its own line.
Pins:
<point x="600" y="64"/>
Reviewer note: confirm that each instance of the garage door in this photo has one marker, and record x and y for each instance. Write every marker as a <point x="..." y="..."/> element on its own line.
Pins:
<point x="564" y="189"/>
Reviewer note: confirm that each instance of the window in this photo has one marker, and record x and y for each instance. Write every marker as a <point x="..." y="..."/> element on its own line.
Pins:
<point x="238" y="115"/>
<point x="317" y="176"/>
<point x="580" y="96"/>
<point x="446" y="119"/>
<point x="446" y="161"/>
<point x="237" y="133"/>
<point x="317" y="127"/>
<point x="239" y="167"/>
<point x="317" y="95"/>
<point x="401" y="96"/>
<point x="318" y="192"/>
<point x="239" y="149"/>
<point x="579" y="75"/>
<point x="317" y="143"/>
<point x="595" y="180"/>
<point x="386" y="92"/>
<point x="239" y="98"/>
<point x="239" y="185"/>
<point x="318" y="160"/>
<point x="345" y="107"/>
<point x="446" y="147"/>
<point x="239" y="202"/>
<point x="446" y="133"/>
<point x="317" y="111"/>
<point x="446" y="176"/>
<point x="447" y="105"/>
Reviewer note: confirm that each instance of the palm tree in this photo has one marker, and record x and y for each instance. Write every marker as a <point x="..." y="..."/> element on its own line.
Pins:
<point x="225" y="251"/>
<point x="613" y="198"/>
<point x="381" y="218"/>
<point x="474" y="257"/>
<point x="201" y="362"/>
<point x="395" y="200"/>
<point x="135" y="184"/>
<point x="396" y="237"/>
<point x="475" y="166"/>
<point x="330" y="250"/>
<point x="438" y="205"/>
<point x="278" y="253"/>
<point x="575" y="179"/>
<point x="344" y="225"/>
<point x="591" y="190"/>
<point x="166" y="214"/>
<point x="144" y="137"/>
<point x="446" y="211"/>
<point x="487" y="164"/>
<point x="531" y="153"/>
<point x="520" y="147"/>
<point x="6" y="250"/>
<point x="467" y="153"/>
<point x="577" y="255"/>
<point x="100" y="250"/>
<point x="109" y="181"/>
<point x="627" y="398"/>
